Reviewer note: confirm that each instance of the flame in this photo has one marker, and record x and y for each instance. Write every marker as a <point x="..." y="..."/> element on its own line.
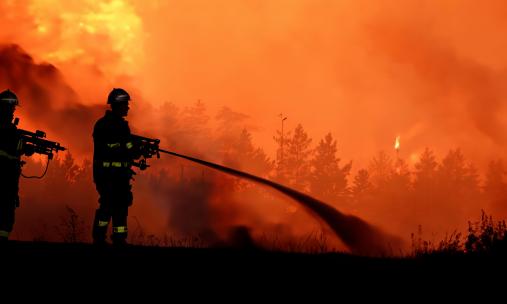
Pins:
<point x="397" y="143"/>
<point x="89" y="32"/>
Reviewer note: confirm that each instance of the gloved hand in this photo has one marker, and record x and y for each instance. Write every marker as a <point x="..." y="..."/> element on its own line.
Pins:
<point x="28" y="150"/>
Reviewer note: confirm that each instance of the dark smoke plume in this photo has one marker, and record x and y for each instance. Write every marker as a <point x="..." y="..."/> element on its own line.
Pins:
<point x="361" y="237"/>
<point x="46" y="100"/>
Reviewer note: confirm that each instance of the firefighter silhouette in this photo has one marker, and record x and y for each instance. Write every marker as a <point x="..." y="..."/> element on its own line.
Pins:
<point x="114" y="153"/>
<point x="11" y="150"/>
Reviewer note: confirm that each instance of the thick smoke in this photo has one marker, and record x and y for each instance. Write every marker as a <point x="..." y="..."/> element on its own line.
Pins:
<point x="202" y="206"/>
<point x="358" y="235"/>
<point x="47" y="101"/>
<point x="433" y="73"/>
<point x="369" y="71"/>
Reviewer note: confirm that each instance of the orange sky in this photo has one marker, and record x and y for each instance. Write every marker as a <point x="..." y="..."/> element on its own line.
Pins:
<point x="431" y="72"/>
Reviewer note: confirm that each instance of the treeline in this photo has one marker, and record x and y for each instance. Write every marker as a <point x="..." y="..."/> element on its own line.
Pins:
<point x="439" y="194"/>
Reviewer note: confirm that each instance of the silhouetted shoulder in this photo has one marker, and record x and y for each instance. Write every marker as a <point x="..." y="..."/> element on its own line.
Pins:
<point x="99" y="125"/>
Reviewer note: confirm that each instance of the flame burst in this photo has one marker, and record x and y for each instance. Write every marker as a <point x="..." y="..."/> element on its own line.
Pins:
<point x="91" y="32"/>
<point x="397" y="143"/>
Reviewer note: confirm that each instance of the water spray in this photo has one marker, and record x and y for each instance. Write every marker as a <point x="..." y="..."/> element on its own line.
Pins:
<point x="359" y="236"/>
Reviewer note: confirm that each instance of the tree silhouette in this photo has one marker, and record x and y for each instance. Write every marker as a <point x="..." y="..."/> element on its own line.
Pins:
<point x="194" y="125"/>
<point x="495" y="188"/>
<point x="457" y="188"/>
<point x="251" y="159"/>
<point x="298" y="155"/>
<point x="391" y="191"/>
<point x="361" y="186"/>
<point x="230" y="126"/>
<point x="425" y="190"/>
<point x="169" y="114"/>
<point x="381" y="169"/>
<point x="495" y="178"/>
<point x="328" y="180"/>
<point x="452" y="171"/>
<point x="65" y="184"/>
<point x="425" y="174"/>
<point x="195" y="117"/>
<point x="400" y="178"/>
<point x="281" y="173"/>
<point x="471" y="182"/>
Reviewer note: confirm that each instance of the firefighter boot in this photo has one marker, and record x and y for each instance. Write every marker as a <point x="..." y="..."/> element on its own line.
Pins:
<point x="99" y="229"/>
<point x="119" y="236"/>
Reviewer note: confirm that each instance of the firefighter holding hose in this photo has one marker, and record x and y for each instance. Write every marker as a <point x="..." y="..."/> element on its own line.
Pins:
<point x="113" y="157"/>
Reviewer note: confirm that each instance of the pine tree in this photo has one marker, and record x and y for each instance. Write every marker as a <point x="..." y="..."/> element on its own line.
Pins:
<point x="457" y="188"/>
<point x="495" y="188"/>
<point x="452" y="171"/>
<point x="425" y="173"/>
<point x="298" y="154"/>
<point x="230" y="126"/>
<point x="281" y="173"/>
<point x="400" y="179"/>
<point x="194" y="124"/>
<point x="495" y="184"/>
<point x="425" y="190"/>
<point x="328" y="180"/>
<point x="362" y="185"/>
<point x="381" y="170"/>
<point x="252" y="159"/>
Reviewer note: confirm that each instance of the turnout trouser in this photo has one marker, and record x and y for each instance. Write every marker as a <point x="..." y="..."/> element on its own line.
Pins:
<point x="114" y="201"/>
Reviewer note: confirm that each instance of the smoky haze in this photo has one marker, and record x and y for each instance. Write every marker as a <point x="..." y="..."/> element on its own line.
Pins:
<point x="364" y="71"/>
<point x="368" y="71"/>
<point x="359" y="236"/>
<point x="50" y="103"/>
<point x="46" y="99"/>
<point x="431" y="73"/>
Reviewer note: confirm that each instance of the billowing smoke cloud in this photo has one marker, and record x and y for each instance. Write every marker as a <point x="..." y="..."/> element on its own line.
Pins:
<point x="433" y="73"/>
<point x="450" y="89"/>
<point x="358" y="235"/>
<point x="46" y="99"/>
<point x="370" y="71"/>
<point x="202" y="206"/>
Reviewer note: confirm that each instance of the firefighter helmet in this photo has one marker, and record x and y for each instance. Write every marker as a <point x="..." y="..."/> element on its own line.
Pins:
<point x="8" y="97"/>
<point x="118" y="96"/>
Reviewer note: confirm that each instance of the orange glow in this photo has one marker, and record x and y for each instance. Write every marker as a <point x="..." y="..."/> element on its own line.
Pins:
<point x="78" y="24"/>
<point x="360" y="69"/>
